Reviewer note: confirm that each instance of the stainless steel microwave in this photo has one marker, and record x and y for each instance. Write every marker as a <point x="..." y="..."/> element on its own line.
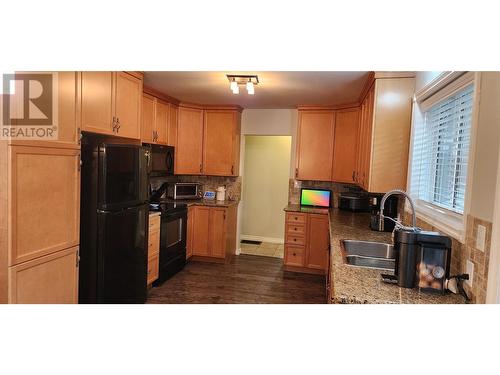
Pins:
<point x="185" y="190"/>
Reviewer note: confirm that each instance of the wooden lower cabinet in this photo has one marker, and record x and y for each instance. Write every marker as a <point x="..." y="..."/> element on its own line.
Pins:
<point x="153" y="248"/>
<point x="307" y="242"/>
<point x="318" y="242"/>
<point x="48" y="279"/>
<point x="212" y="231"/>
<point x="190" y="227"/>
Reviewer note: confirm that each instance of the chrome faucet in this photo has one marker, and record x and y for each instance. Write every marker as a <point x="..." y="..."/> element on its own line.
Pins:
<point x="398" y="224"/>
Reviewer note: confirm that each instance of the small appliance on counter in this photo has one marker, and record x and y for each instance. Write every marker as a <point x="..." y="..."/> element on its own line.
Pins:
<point x="221" y="193"/>
<point x="355" y="202"/>
<point x="390" y="211"/>
<point x="315" y="198"/>
<point x="185" y="190"/>
<point x="422" y="259"/>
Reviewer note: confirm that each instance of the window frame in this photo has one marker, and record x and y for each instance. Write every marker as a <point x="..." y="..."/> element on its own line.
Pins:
<point x="443" y="86"/>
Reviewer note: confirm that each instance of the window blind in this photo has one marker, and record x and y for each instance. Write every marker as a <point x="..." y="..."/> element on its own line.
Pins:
<point x="440" y="155"/>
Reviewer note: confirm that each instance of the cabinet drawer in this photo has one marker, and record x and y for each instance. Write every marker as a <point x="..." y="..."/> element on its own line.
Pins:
<point x="294" y="255"/>
<point x="153" y="243"/>
<point x="296" y="230"/>
<point x="293" y="217"/>
<point x="154" y="223"/>
<point x="295" y="240"/>
<point x="153" y="268"/>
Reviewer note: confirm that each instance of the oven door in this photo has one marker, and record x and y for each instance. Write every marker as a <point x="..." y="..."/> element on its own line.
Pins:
<point x="173" y="237"/>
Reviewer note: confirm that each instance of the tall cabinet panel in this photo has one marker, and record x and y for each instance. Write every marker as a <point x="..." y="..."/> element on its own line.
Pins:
<point x="128" y="104"/>
<point x="315" y="145"/>
<point x="40" y="201"/>
<point x="189" y="150"/>
<point x="96" y="102"/>
<point x="219" y="147"/>
<point x="346" y="140"/>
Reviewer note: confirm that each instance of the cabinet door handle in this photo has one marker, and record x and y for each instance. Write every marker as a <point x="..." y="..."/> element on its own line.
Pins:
<point x="296" y="172"/>
<point x="232" y="169"/>
<point x="201" y="168"/>
<point x="114" y="123"/>
<point x="353" y="176"/>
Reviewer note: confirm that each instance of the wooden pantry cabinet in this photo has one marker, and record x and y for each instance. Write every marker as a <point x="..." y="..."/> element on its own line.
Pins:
<point x="307" y="242"/>
<point x="40" y="210"/>
<point x="212" y="232"/>
<point x="208" y="141"/>
<point x="111" y="103"/>
<point x="384" y="135"/>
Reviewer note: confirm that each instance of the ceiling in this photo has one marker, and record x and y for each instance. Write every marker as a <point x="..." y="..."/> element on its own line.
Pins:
<point x="275" y="90"/>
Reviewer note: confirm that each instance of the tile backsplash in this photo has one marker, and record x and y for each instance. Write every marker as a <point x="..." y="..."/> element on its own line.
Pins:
<point x="294" y="187"/>
<point x="461" y="252"/>
<point x="210" y="183"/>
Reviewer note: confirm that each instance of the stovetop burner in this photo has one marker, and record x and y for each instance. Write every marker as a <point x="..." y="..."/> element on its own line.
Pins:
<point x="167" y="207"/>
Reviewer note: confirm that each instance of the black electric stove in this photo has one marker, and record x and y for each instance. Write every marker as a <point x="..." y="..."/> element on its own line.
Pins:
<point x="173" y="231"/>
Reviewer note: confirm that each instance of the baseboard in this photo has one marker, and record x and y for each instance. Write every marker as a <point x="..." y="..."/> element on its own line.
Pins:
<point x="262" y="239"/>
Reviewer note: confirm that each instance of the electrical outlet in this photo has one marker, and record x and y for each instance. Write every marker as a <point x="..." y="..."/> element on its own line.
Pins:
<point x="481" y="237"/>
<point x="470" y="271"/>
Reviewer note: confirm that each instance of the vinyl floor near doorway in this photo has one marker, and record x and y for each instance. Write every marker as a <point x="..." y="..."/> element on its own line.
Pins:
<point x="244" y="279"/>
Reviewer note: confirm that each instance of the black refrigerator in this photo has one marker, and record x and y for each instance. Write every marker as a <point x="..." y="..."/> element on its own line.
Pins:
<point x="114" y="223"/>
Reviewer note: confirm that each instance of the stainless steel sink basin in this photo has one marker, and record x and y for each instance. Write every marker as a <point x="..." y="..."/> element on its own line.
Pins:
<point x="368" y="254"/>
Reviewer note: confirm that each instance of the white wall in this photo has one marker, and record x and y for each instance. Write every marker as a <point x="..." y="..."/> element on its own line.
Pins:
<point x="270" y="122"/>
<point x="265" y="187"/>
<point x="424" y="78"/>
<point x="266" y="122"/>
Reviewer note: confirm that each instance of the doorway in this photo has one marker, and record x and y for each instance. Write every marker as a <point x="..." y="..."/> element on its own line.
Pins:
<point x="266" y="173"/>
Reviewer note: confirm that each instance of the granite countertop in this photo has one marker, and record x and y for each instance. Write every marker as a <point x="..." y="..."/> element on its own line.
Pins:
<point x="203" y="202"/>
<point x="351" y="284"/>
<point x="305" y="209"/>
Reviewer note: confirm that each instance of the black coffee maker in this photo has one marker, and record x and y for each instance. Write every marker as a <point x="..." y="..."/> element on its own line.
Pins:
<point x="422" y="259"/>
<point x="390" y="211"/>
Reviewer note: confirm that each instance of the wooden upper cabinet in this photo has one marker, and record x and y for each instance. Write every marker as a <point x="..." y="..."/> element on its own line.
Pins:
<point x="391" y="115"/>
<point x="172" y="125"/>
<point x="217" y="237"/>
<point x="384" y="135"/>
<point x="161" y="123"/>
<point x="111" y="103"/>
<point x="128" y="104"/>
<point x="315" y="145"/>
<point x="97" y="102"/>
<point x="189" y="150"/>
<point x="45" y="201"/>
<point x="318" y="241"/>
<point x="219" y="146"/>
<point x="148" y="118"/>
<point x="345" y="149"/>
<point x="48" y="279"/>
<point x="201" y="231"/>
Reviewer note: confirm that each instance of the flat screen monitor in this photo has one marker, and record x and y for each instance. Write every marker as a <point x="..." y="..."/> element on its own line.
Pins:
<point x="315" y="197"/>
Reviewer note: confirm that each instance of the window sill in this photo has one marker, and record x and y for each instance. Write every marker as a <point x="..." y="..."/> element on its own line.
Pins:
<point x="449" y="223"/>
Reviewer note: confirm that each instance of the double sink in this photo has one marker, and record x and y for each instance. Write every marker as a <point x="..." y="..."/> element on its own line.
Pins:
<point x="368" y="254"/>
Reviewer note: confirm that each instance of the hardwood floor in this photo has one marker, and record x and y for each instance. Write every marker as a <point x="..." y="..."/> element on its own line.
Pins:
<point x="244" y="279"/>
